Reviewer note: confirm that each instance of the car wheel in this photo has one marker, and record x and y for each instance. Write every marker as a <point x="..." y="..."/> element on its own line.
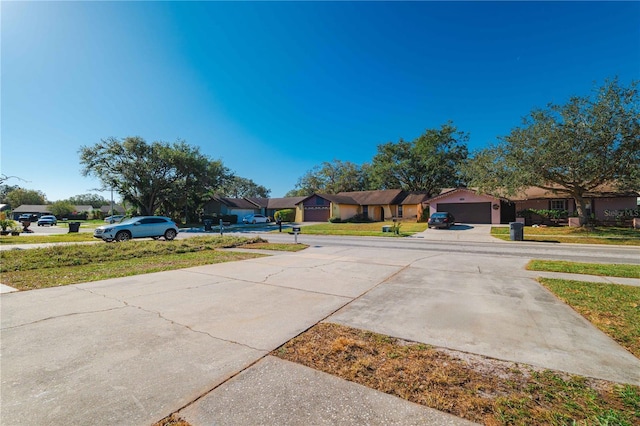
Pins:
<point x="123" y="236"/>
<point x="170" y="234"/>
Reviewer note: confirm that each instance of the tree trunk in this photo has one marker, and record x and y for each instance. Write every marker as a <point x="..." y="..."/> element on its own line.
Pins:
<point x="581" y="208"/>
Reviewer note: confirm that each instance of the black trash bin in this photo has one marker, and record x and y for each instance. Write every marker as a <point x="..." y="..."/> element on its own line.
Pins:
<point x="207" y="224"/>
<point x="74" y="226"/>
<point x="516" y="231"/>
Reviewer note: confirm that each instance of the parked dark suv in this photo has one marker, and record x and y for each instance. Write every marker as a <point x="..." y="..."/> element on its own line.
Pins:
<point x="441" y="220"/>
<point x="28" y="217"/>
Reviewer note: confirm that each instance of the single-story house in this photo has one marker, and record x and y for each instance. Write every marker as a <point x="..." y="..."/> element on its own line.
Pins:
<point x="605" y="203"/>
<point x="37" y="209"/>
<point x="468" y="206"/>
<point x="269" y="206"/>
<point x="222" y="206"/>
<point x="377" y="205"/>
<point x="117" y="209"/>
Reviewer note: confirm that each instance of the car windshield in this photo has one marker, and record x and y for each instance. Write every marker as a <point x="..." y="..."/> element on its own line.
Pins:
<point x="130" y="220"/>
<point x="439" y="215"/>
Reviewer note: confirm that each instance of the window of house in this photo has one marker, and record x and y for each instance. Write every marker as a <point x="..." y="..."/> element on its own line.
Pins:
<point x="400" y="210"/>
<point x="365" y="211"/>
<point x="558" y="205"/>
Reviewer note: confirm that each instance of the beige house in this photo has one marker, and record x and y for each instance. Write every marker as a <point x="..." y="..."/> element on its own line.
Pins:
<point x="376" y="205"/>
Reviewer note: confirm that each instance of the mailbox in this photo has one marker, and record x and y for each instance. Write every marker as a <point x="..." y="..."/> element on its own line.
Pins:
<point x="296" y="231"/>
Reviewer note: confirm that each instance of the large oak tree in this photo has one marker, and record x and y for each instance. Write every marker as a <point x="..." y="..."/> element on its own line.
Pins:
<point x="150" y="175"/>
<point x="331" y="178"/>
<point x="238" y="187"/>
<point x="94" y="200"/>
<point x="20" y="196"/>
<point x="581" y="147"/>
<point x="429" y="163"/>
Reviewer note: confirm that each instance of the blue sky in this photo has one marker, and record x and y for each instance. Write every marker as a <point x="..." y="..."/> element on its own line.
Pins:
<point x="274" y="88"/>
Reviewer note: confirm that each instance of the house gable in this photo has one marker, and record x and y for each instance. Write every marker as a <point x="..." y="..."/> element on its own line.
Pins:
<point x="316" y="208"/>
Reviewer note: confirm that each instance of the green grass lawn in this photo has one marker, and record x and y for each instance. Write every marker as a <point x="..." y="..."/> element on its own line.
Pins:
<point x="565" y="234"/>
<point x="614" y="309"/>
<point x="373" y="229"/>
<point x="600" y="269"/>
<point x="72" y="264"/>
<point x="74" y="237"/>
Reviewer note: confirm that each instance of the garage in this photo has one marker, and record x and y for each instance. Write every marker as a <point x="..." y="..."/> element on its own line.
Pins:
<point x="316" y="213"/>
<point x="468" y="212"/>
<point x="316" y="209"/>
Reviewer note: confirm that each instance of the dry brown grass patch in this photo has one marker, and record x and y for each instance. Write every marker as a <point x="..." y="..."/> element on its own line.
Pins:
<point x="470" y="386"/>
<point x="172" y="420"/>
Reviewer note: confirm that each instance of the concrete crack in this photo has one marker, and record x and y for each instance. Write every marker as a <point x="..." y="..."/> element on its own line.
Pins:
<point x="162" y="317"/>
<point x="63" y="316"/>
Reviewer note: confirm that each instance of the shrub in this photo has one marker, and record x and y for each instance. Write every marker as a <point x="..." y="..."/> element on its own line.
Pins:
<point x="7" y="223"/>
<point x="286" y="215"/>
<point x="359" y="218"/>
<point x="335" y="220"/>
<point x="424" y="216"/>
<point x="62" y="208"/>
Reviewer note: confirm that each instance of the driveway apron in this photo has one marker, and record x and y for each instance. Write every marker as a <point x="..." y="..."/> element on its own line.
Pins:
<point x="489" y="306"/>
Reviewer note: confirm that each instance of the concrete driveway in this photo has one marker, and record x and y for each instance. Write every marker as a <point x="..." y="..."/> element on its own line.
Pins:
<point x="460" y="232"/>
<point x="133" y="350"/>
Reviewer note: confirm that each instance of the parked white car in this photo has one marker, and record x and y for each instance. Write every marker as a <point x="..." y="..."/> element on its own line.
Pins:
<point x="113" y="219"/>
<point x="255" y="218"/>
<point x="138" y="227"/>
